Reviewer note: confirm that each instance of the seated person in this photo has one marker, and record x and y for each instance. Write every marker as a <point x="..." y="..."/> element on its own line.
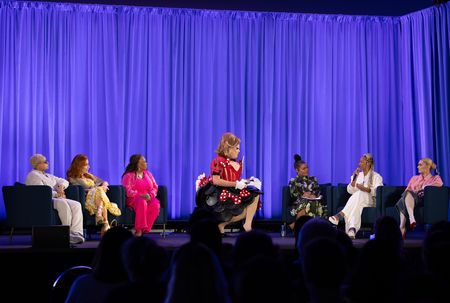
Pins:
<point x="97" y="202"/>
<point x="305" y="193"/>
<point x="69" y="211"/>
<point x="362" y="187"/>
<point x="413" y="195"/>
<point x="141" y="189"/>
<point x="228" y="196"/>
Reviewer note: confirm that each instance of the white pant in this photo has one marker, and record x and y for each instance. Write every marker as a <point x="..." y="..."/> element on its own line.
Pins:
<point x="70" y="213"/>
<point x="354" y="207"/>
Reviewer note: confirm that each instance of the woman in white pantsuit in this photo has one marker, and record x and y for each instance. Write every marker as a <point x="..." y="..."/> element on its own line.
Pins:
<point x="362" y="187"/>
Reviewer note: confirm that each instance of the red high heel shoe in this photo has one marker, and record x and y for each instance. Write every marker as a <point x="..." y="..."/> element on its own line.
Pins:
<point x="413" y="225"/>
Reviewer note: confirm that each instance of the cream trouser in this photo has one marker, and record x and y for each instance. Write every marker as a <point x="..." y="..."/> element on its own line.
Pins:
<point x="354" y="207"/>
<point x="70" y="213"/>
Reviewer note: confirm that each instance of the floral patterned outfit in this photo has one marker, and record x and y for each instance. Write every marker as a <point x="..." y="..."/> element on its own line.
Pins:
<point x="95" y="194"/>
<point x="312" y="207"/>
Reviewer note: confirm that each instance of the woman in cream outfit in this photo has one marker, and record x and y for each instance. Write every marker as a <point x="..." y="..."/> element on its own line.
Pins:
<point x="362" y="187"/>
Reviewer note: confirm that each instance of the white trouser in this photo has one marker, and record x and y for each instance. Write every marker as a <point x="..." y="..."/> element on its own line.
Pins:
<point x="70" y="213"/>
<point x="353" y="209"/>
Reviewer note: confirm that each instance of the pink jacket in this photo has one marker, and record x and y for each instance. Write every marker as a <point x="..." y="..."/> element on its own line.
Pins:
<point x="417" y="183"/>
<point x="129" y="181"/>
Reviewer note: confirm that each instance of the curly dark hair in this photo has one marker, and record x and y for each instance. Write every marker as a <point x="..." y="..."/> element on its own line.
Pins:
<point x="133" y="164"/>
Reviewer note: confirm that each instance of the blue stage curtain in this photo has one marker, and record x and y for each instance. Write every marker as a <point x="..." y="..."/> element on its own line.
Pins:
<point x="110" y="81"/>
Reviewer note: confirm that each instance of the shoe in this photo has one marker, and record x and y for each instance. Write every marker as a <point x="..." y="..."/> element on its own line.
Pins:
<point x="138" y="233"/>
<point x="105" y="228"/>
<point x="333" y="220"/>
<point x="224" y="235"/>
<point x="114" y="223"/>
<point x="413" y="225"/>
<point x="351" y="233"/>
<point x="76" y="239"/>
<point x="404" y="235"/>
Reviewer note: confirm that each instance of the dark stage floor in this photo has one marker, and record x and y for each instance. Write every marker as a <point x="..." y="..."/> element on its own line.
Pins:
<point x="173" y="240"/>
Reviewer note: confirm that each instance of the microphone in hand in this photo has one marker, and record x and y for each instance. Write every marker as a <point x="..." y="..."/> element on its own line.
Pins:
<point x="355" y="174"/>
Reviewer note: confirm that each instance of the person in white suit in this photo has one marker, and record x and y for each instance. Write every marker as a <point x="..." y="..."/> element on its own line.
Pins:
<point x="362" y="187"/>
<point x="69" y="211"/>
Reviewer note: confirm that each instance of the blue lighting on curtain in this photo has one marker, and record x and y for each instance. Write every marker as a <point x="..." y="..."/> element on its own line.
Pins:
<point x="110" y="81"/>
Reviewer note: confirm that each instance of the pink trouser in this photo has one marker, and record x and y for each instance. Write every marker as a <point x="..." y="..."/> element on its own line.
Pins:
<point x="146" y="212"/>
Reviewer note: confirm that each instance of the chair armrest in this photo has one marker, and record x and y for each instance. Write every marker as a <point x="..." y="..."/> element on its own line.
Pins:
<point x="29" y="205"/>
<point x="162" y="196"/>
<point x="435" y="204"/>
<point x="116" y="194"/>
<point x="378" y="200"/>
<point x="326" y="190"/>
<point x="285" y="202"/>
<point x="340" y="197"/>
<point x="388" y="196"/>
<point x="72" y="192"/>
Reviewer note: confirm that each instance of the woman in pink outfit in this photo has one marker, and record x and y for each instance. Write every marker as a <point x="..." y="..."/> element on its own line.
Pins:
<point x="413" y="195"/>
<point x="141" y="190"/>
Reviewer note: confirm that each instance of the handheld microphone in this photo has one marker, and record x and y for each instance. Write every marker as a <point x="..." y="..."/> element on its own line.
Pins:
<point x="355" y="175"/>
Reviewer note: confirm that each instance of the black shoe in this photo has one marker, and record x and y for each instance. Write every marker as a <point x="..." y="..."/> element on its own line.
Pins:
<point x="224" y="235"/>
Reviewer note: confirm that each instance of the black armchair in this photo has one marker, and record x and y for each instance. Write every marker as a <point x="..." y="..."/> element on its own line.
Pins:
<point x="435" y="204"/>
<point x="434" y="208"/>
<point x="387" y="197"/>
<point x="28" y="206"/>
<point x="32" y="205"/>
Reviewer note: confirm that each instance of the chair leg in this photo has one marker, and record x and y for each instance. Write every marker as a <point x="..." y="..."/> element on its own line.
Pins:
<point x="89" y="233"/>
<point x="283" y="229"/>
<point x="163" y="234"/>
<point x="11" y="235"/>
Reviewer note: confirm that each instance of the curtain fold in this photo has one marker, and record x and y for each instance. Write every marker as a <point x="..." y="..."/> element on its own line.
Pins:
<point x="111" y="81"/>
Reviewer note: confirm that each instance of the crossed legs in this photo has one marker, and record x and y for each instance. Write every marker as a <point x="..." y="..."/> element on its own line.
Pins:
<point x="248" y="213"/>
<point x="409" y="203"/>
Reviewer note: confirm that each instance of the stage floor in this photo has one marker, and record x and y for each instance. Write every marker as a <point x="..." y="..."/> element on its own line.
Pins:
<point x="174" y="240"/>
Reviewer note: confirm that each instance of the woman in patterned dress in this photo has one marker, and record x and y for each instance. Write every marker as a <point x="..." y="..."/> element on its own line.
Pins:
<point x="305" y="193"/>
<point x="97" y="202"/>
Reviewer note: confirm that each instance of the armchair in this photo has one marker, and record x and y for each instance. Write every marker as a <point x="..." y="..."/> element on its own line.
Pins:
<point x="435" y="204"/>
<point x="387" y="197"/>
<point x="27" y="206"/>
<point x="434" y="208"/>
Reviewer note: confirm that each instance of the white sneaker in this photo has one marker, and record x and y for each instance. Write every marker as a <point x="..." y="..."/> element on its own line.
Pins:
<point x="76" y="239"/>
<point x="333" y="220"/>
<point x="351" y="234"/>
